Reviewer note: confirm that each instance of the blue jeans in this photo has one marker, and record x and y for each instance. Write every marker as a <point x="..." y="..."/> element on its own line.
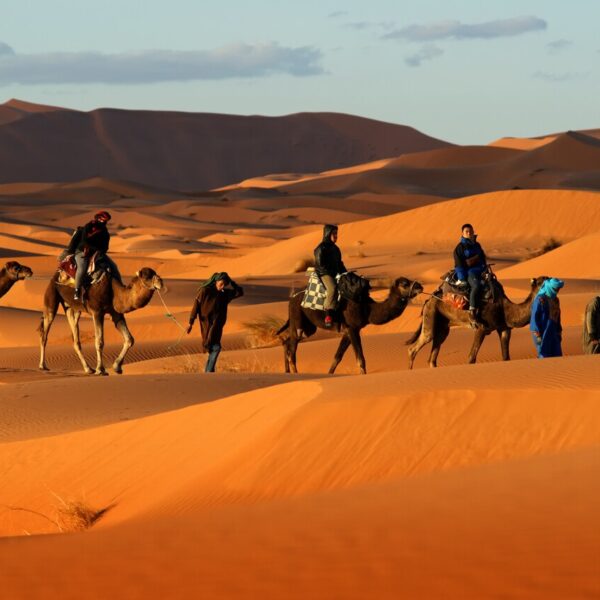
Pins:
<point x="213" y="354"/>
<point x="474" y="278"/>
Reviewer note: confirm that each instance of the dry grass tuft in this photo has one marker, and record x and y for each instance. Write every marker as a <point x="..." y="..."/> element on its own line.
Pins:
<point x="246" y="364"/>
<point x="77" y="515"/>
<point x="303" y="264"/>
<point x="262" y="331"/>
<point x="549" y="245"/>
<point x="69" y="515"/>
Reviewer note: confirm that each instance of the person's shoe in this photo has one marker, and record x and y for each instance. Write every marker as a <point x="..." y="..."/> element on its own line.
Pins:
<point x="328" y="322"/>
<point x="77" y="294"/>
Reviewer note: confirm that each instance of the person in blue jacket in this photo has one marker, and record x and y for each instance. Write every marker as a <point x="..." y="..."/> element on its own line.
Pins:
<point x="545" y="326"/>
<point x="469" y="263"/>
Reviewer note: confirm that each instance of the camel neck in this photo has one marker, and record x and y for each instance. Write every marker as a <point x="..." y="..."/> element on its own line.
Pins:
<point x="391" y="308"/>
<point x="518" y="314"/>
<point x="6" y="282"/>
<point x="131" y="297"/>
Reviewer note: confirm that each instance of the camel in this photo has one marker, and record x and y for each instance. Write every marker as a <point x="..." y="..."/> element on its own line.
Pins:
<point x="500" y="315"/>
<point x="10" y="273"/>
<point x="354" y="316"/>
<point x="108" y="296"/>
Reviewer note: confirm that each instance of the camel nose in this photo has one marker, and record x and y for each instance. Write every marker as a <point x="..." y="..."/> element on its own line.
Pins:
<point x="158" y="283"/>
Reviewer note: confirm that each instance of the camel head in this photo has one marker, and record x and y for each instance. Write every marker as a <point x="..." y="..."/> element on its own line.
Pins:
<point x="149" y="279"/>
<point x="536" y="283"/>
<point x="407" y="288"/>
<point x="17" y="271"/>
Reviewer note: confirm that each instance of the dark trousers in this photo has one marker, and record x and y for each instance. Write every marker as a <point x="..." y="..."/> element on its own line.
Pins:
<point x="474" y="279"/>
<point x="213" y="354"/>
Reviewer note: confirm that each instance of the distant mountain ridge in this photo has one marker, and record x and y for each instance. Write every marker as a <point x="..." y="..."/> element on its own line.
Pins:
<point x="188" y="151"/>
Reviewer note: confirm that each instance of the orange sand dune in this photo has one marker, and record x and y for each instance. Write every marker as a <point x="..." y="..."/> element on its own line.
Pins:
<point x="499" y="218"/>
<point x="343" y="472"/>
<point x="522" y="143"/>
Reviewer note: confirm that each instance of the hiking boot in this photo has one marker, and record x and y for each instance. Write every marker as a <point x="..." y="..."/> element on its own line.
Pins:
<point x="77" y="294"/>
<point x="328" y="322"/>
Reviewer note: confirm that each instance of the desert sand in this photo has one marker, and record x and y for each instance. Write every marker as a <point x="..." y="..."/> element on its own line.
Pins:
<point x="466" y="481"/>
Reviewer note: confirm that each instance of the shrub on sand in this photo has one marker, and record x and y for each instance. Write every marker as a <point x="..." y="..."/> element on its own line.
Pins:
<point x="262" y="331"/>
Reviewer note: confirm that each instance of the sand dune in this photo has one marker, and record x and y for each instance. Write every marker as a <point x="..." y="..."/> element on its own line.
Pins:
<point x="278" y="443"/>
<point x="466" y="481"/>
<point x="116" y="144"/>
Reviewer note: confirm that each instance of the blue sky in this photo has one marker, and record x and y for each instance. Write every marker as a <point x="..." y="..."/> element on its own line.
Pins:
<point x="464" y="71"/>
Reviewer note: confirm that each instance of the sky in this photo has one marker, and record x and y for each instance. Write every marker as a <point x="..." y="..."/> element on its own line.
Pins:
<point x="465" y="71"/>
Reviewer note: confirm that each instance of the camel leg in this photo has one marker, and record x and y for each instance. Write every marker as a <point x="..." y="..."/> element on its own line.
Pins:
<point x="128" y="341"/>
<point x="477" y="341"/>
<point x="504" y="336"/>
<point x="358" y="350"/>
<point x="414" y="349"/>
<point x="73" y="319"/>
<point x="344" y="343"/>
<point x="292" y="347"/>
<point x="286" y="360"/>
<point x="439" y="338"/>
<point x="99" y="342"/>
<point x="47" y="320"/>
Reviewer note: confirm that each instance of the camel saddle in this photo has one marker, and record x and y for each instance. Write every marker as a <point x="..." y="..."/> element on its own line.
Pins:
<point x="67" y="269"/>
<point x="349" y="286"/>
<point x="457" y="295"/>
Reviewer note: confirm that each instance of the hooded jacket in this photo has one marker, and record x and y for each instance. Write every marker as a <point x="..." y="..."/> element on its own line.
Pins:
<point x="210" y="306"/>
<point x="468" y="256"/>
<point x="94" y="237"/>
<point x="328" y="258"/>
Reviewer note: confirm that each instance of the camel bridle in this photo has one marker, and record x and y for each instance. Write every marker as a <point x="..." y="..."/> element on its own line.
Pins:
<point x="154" y="285"/>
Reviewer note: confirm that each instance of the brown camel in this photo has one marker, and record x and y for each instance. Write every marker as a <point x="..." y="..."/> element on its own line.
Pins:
<point x="354" y="316"/>
<point x="108" y="296"/>
<point x="500" y="315"/>
<point x="10" y="273"/>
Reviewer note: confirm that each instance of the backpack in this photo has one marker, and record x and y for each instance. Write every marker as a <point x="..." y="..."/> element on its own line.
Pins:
<point x="352" y="286"/>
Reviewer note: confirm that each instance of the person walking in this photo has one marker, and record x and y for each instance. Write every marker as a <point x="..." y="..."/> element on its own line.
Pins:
<point x="545" y="325"/>
<point x="591" y="327"/>
<point x="210" y="306"/>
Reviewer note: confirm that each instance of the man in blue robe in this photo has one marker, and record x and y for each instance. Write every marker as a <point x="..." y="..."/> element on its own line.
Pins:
<point x="545" y="324"/>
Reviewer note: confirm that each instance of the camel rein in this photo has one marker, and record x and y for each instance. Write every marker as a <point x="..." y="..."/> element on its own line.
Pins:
<point x="171" y="316"/>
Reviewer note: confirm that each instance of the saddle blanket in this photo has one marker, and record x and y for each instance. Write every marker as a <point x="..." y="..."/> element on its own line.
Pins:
<point x="315" y="293"/>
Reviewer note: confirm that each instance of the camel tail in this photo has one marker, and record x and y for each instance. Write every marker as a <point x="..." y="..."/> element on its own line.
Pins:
<point x="415" y="336"/>
<point x="283" y="328"/>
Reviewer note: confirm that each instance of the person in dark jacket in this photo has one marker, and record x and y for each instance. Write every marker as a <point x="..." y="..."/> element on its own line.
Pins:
<point x="210" y="306"/>
<point x="591" y="327"/>
<point x="92" y="238"/>
<point x="328" y="264"/>
<point x="469" y="263"/>
<point x="545" y="325"/>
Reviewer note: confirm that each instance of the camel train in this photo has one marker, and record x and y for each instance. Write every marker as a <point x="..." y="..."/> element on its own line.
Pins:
<point x="335" y="299"/>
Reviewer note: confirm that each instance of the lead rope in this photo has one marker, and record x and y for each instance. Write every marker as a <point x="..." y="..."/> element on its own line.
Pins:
<point x="171" y="316"/>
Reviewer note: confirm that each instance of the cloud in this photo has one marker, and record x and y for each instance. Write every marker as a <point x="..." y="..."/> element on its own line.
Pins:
<point x="362" y="25"/>
<point x="558" y="45"/>
<point x="461" y="31"/>
<point x="5" y="49"/>
<point x="559" y="77"/>
<point x="337" y="13"/>
<point x="152" y="66"/>
<point x="427" y="52"/>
